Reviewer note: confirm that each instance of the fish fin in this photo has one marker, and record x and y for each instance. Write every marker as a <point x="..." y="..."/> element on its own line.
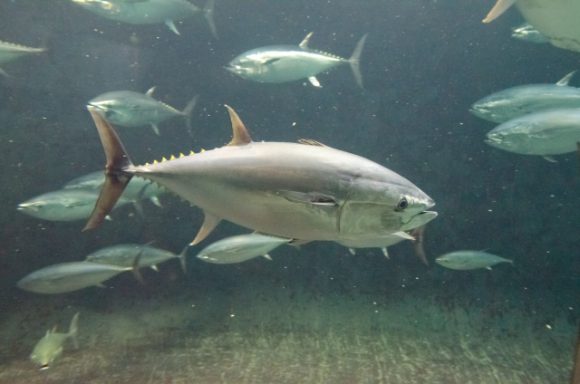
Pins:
<point x="183" y="259"/>
<point x="4" y="73"/>
<point x="419" y="234"/>
<point x="208" y="12"/>
<point x="313" y="198"/>
<point x="386" y="252"/>
<point x="155" y="129"/>
<point x="488" y="268"/>
<point x="155" y="200"/>
<point x="108" y="218"/>
<point x="498" y="9"/>
<point x="171" y="25"/>
<point x="209" y="223"/>
<point x="240" y="135"/>
<point x="314" y="81"/>
<point x="564" y="81"/>
<point x="73" y="330"/>
<point x="354" y="60"/>
<point x="188" y="111"/>
<point x="270" y="61"/>
<point x="116" y="176"/>
<point x="550" y="159"/>
<point x="352" y="251"/>
<point x="150" y="91"/>
<point x="404" y="236"/>
<point x="154" y="267"/>
<point x="266" y="256"/>
<point x="135" y="268"/>
<point x="311" y="142"/>
<point x="139" y="208"/>
<point x="304" y="43"/>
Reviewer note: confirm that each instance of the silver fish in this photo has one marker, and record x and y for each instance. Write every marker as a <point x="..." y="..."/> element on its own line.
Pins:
<point x="63" y="205"/>
<point x="11" y="51"/>
<point x="237" y="249"/>
<point x="467" y="260"/>
<point x="133" y="109"/>
<point x="517" y="101"/>
<point x="51" y="345"/>
<point x="527" y="32"/>
<point x="69" y="277"/>
<point x="123" y="255"/>
<point x="283" y="63"/>
<point x="150" y="11"/>
<point x="289" y="190"/>
<point x="553" y="132"/>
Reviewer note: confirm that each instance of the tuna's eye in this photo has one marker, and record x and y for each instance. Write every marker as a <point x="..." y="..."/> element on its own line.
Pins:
<point x="403" y="203"/>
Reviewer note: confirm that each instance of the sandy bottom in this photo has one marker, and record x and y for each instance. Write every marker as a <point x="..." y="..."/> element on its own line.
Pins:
<point x="217" y="338"/>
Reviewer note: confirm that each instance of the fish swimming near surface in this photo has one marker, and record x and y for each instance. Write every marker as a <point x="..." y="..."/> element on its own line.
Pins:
<point x="71" y="276"/>
<point x="50" y="346"/>
<point x="63" y="205"/>
<point x="283" y="63"/>
<point x="467" y="260"/>
<point x="290" y="190"/>
<point x="237" y="249"/>
<point x="527" y="32"/>
<point x="517" y="101"/>
<point x="141" y="12"/>
<point x="123" y="255"/>
<point x="11" y="51"/>
<point x="133" y="109"/>
<point x="548" y="133"/>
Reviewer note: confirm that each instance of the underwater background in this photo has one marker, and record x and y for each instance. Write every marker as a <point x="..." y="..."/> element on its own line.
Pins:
<point x="315" y="314"/>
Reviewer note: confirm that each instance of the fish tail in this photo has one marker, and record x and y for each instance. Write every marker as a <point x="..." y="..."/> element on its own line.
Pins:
<point x="74" y="329"/>
<point x="183" y="258"/>
<point x="116" y="175"/>
<point x="208" y="14"/>
<point x="135" y="268"/>
<point x="188" y="111"/>
<point x="354" y="60"/>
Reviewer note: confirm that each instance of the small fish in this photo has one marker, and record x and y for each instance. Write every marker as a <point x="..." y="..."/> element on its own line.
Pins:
<point x="548" y="133"/>
<point x="142" y="12"/>
<point x="123" y="255"/>
<point x="63" y="205"/>
<point x="51" y="345"/>
<point x="69" y="277"/>
<point x="283" y="63"/>
<point x="521" y="100"/>
<point x="133" y="109"/>
<point x="467" y="260"/>
<point x="237" y="249"/>
<point x="11" y="51"/>
<point x="526" y="32"/>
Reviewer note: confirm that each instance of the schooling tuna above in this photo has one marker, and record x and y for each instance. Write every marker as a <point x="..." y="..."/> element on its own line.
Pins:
<point x="284" y="63"/>
<point x="296" y="191"/>
<point x="149" y="11"/>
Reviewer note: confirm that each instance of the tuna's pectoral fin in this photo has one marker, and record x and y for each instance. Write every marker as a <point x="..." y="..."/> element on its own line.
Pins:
<point x="314" y="81"/>
<point x="311" y="142"/>
<point x="314" y="198"/>
<point x="271" y="61"/>
<point x="240" y="135"/>
<point x="171" y="25"/>
<point x="209" y="224"/>
<point x="498" y="9"/>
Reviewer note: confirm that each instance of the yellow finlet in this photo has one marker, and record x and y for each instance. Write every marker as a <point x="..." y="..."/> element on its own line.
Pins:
<point x="240" y="135"/>
<point x="172" y="157"/>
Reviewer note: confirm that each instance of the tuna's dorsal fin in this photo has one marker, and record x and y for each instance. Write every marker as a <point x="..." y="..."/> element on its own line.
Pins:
<point x="564" y="81"/>
<point x="498" y="9"/>
<point x="240" y="135"/>
<point x="304" y="43"/>
<point x="150" y="91"/>
<point x="209" y="223"/>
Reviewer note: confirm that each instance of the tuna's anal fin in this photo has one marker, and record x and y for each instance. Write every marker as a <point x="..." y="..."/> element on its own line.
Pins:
<point x="314" y="81"/>
<point x="209" y="223"/>
<point x="155" y="129"/>
<point x="240" y="135"/>
<point x="385" y="252"/>
<point x="74" y="329"/>
<point x="550" y="159"/>
<point x="564" y="81"/>
<point x="498" y="9"/>
<point x="116" y="179"/>
<point x="304" y="43"/>
<point x="171" y="25"/>
<point x="352" y="251"/>
<point x="208" y="14"/>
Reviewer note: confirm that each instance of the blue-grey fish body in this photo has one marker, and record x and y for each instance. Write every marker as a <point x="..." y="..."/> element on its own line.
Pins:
<point x="124" y="255"/>
<point x="284" y="63"/>
<point x="134" y="109"/>
<point x="237" y="249"/>
<point x="62" y="205"/>
<point x="142" y="12"/>
<point x="527" y="32"/>
<point x="11" y="51"/>
<point x="467" y="260"/>
<point x="69" y="277"/>
<point x="50" y="346"/>
<point x="517" y="101"/>
<point x="289" y="190"/>
<point x="552" y="132"/>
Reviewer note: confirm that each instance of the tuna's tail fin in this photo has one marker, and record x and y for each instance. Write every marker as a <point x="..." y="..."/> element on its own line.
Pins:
<point x="116" y="177"/>
<point x="354" y="60"/>
<point x="183" y="258"/>
<point x="188" y="111"/>
<point x="208" y="14"/>
<point x="73" y="329"/>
